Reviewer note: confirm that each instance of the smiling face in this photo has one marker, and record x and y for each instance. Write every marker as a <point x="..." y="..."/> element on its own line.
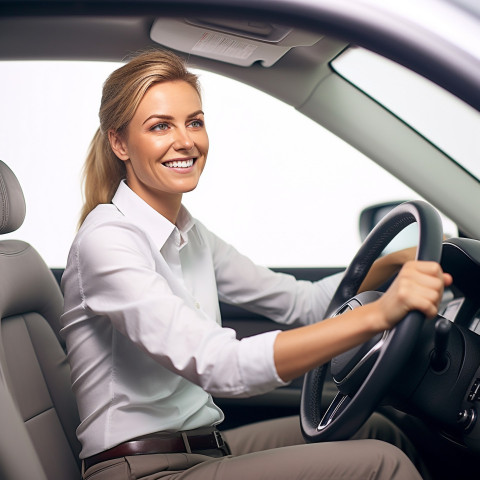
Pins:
<point x="164" y="146"/>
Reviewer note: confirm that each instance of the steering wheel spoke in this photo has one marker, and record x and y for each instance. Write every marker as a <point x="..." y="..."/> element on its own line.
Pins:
<point x="338" y="404"/>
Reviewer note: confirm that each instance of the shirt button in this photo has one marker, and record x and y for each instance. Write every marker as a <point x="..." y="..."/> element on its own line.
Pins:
<point x="197" y="305"/>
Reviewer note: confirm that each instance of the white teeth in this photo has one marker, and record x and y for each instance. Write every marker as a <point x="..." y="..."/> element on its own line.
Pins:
<point x="179" y="163"/>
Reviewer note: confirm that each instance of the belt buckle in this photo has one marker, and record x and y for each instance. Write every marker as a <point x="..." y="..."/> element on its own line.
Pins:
<point x="218" y="439"/>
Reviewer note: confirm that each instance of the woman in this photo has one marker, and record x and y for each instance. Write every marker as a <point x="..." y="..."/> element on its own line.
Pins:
<point x="142" y="321"/>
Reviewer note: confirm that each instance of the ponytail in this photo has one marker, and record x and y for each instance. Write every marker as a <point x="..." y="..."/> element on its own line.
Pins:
<point x="101" y="174"/>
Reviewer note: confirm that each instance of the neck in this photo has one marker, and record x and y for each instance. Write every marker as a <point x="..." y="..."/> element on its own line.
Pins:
<point x="166" y="204"/>
<point x="170" y="212"/>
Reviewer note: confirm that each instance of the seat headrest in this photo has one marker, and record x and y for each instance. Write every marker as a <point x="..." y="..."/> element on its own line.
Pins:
<point x="12" y="201"/>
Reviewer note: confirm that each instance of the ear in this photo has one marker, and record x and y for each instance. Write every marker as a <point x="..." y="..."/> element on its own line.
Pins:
<point x="118" y="145"/>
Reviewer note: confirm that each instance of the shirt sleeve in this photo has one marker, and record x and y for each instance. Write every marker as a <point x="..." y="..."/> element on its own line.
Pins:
<point x="118" y="280"/>
<point x="277" y="296"/>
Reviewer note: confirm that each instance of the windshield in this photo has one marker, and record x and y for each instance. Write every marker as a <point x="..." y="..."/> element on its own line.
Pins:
<point x="449" y="123"/>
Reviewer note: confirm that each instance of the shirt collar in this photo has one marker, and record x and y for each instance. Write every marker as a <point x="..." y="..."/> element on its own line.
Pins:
<point x="148" y="219"/>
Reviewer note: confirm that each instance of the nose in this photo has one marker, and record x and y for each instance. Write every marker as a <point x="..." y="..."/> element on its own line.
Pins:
<point x="183" y="139"/>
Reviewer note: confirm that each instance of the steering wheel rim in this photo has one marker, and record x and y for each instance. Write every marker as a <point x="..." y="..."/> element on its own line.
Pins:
<point x="348" y="411"/>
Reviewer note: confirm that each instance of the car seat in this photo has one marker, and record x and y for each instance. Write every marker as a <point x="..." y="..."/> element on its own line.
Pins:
<point x="38" y="413"/>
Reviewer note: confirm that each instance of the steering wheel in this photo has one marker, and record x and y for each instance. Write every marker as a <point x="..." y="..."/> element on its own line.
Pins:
<point x="363" y="374"/>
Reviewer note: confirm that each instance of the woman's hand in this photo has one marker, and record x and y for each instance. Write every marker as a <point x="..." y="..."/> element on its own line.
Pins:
<point x="418" y="286"/>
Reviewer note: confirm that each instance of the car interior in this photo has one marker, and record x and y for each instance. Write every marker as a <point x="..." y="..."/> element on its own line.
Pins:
<point x="35" y="388"/>
<point x="291" y="56"/>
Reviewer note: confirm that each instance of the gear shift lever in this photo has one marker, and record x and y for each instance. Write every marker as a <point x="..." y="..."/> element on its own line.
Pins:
<point x="439" y="360"/>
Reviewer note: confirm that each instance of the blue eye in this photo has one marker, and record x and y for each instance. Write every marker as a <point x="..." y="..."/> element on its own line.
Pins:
<point x="160" y="126"/>
<point x="196" y="123"/>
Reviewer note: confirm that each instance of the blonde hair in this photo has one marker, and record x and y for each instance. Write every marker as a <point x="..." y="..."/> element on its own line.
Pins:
<point x="122" y="93"/>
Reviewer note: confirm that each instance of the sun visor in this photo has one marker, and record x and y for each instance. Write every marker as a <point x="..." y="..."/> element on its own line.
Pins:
<point x="238" y="42"/>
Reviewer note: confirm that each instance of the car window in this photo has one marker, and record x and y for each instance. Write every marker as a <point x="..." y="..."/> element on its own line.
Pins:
<point x="279" y="187"/>
<point x="448" y="122"/>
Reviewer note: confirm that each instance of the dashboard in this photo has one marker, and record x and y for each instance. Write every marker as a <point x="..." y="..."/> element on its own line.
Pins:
<point x="461" y="304"/>
<point x="455" y="336"/>
<point x="452" y="309"/>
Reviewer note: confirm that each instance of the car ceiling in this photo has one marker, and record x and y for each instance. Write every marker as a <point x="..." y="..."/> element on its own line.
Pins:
<point x="302" y="77"/>
<point x="110" y="30"/>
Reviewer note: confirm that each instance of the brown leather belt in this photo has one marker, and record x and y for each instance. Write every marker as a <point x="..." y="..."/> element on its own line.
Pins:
<point x="181" y="442"/>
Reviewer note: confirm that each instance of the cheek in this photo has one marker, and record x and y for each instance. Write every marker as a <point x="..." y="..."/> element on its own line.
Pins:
<point x="205" y="143"/>
<point x="150" y="150"/>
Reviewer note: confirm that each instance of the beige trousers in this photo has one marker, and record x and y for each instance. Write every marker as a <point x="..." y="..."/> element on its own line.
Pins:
<point x="275" y="450"/>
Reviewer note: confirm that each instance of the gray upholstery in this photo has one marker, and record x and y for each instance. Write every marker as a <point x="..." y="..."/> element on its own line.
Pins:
<point x="38" y="410"/>
<point x="12" y="201"/>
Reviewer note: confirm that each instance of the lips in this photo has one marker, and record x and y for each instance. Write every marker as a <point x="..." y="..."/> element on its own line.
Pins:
<point x="187" y="163"/>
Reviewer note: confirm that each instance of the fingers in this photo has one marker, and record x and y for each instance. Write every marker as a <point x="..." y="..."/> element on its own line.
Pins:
<point x="420" y="286"/>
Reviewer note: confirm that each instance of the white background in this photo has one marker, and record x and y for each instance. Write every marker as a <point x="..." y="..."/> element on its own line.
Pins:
<point x="279" y="187"/>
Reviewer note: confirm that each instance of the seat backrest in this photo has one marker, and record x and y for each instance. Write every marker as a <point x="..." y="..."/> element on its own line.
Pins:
<point x="35" y="388"/>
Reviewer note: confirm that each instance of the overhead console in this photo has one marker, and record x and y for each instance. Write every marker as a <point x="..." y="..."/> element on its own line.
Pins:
<point x="239" y="42"/>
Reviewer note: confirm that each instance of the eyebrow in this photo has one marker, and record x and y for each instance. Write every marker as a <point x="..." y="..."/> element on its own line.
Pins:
<point x="169" y="117"/>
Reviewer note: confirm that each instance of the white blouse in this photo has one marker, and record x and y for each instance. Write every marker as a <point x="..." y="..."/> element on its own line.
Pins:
<point x="142" y="322"/>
